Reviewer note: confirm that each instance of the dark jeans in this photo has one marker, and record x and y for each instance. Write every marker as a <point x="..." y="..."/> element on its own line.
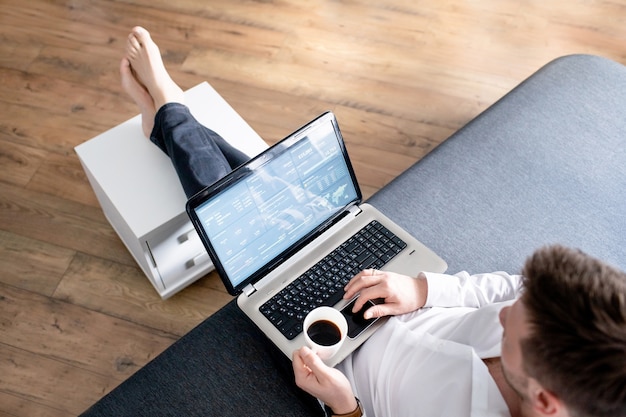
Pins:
<point x="200" y="156"/>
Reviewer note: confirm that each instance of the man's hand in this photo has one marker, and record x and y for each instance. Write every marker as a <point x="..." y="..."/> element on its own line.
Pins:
<point x="402" y="294"/>
<point x="323" y="382"/>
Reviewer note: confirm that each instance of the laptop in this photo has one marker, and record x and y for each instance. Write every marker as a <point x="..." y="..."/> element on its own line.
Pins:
<point x="289" y="227"/>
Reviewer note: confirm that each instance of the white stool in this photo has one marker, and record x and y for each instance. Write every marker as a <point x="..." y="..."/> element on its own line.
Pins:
<point x="142" y="198"/>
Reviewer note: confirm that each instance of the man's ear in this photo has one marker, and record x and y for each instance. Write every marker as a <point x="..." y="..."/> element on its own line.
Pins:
<point x="543" y="401"/>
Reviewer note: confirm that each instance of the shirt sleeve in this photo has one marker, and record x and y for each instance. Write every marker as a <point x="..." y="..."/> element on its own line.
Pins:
<point x="465" y="290"/>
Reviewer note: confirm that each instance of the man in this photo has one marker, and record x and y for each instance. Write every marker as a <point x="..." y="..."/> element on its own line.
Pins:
<point x="563" y="351"/>
<point x="563" y="347"/>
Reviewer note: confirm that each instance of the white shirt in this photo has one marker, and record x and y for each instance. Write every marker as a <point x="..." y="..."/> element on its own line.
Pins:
<point x="429" y="363"/>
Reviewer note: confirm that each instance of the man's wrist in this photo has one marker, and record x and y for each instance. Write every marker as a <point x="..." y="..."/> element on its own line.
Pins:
<point x="357" y="412"/>
<point x="422" y="289"/>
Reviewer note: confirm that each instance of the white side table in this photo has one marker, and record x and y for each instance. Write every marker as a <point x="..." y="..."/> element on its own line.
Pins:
<point x="141" y="195"/>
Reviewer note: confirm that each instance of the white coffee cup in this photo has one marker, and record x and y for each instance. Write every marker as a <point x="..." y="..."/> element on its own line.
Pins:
<point x="325" y="330"/>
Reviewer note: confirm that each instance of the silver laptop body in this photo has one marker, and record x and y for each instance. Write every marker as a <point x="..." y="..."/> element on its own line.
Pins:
<point x="275" y="217"/>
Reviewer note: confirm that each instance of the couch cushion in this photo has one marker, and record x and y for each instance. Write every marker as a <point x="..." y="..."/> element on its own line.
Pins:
<point x="546" y="164"/>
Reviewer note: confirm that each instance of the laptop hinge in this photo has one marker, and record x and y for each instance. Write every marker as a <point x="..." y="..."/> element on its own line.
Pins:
<point x="355" y="210"/>
<point x="248" y="290"/>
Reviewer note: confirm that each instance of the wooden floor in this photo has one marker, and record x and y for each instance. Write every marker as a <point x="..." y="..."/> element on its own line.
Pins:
<point x="77" y="316"/>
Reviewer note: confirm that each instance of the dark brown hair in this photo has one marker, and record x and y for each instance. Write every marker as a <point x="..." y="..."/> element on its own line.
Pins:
<point x="576" y="306"/>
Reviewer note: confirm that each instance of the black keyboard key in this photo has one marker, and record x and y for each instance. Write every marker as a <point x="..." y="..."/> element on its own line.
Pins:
<point x="368" y="262"/>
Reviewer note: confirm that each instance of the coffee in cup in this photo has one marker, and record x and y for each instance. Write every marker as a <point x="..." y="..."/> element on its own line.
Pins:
<point x="325" y="330"/>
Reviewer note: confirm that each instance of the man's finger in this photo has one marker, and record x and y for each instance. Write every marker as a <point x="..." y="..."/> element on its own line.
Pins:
<point x="378" y="310"/>
<point x="375" y="292"/>
<point x="313" y="362"/>
<point x="296" y="358"/>
<point x="361" y="281"/>
<point x="360" y="301"/>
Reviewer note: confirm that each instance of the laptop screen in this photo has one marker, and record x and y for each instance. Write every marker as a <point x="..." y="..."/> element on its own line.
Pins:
<point x="275" y="202"/>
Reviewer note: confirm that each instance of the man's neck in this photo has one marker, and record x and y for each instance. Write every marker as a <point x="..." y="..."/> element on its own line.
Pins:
<point x="517" y="407"/>
<point x="512" y="400"/>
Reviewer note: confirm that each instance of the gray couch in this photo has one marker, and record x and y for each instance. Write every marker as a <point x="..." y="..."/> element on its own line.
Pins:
<point x="545" y="164"/>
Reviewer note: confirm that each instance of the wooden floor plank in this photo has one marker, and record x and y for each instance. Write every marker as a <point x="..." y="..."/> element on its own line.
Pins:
<point x="19" y="163"/>
<point x="76" y="336"/>
<point x="72" y="112"/>
<point x="63" y="176"/>
<point x="31" y="264"/>
<point x="59" y="222"/>
<point x="39" y="382"/>
<point x="18" y="406"/>
<point x="123" y="291"/>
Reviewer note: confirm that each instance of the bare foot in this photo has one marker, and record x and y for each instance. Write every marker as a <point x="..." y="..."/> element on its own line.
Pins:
<point x="145" y="60"/>
<point x="140" y="96"/>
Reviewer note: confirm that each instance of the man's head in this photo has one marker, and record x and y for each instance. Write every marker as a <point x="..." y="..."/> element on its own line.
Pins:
<point x="565" y="339"/>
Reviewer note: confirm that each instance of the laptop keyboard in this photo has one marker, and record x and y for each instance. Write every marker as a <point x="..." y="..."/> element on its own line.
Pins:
<point x="371" y="247"/>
